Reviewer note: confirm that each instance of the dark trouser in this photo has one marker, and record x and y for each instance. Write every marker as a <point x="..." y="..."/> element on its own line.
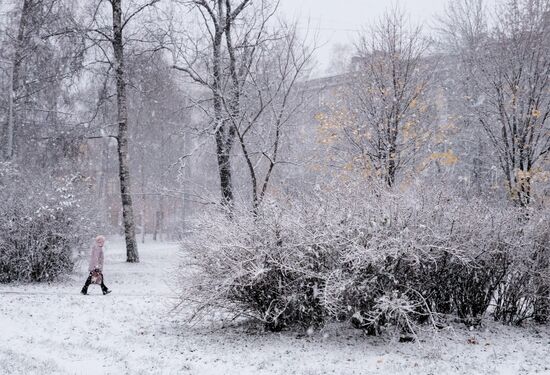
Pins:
<point x="89" y="281"/>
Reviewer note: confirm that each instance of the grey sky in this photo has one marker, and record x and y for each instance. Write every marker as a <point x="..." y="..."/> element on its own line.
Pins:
<point x="338" y="21"/>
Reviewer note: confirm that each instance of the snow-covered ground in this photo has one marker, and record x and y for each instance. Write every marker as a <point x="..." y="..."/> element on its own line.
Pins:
<point x="53" y="329"/>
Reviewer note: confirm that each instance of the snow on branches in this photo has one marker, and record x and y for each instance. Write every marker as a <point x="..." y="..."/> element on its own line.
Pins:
<point x="376" y="258"/>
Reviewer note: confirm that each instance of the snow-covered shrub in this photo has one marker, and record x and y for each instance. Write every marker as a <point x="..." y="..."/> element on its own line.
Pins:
<point x="42" y="223"/>
<point x="254" y="266"/>
<point x="440" y="252"/>
<point x="391" y="309"/>
<point x="374" y="257"/>
<point x="524" y="292"/>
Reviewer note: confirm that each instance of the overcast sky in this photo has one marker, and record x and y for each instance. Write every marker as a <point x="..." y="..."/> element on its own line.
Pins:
<point x="338" y="21"/>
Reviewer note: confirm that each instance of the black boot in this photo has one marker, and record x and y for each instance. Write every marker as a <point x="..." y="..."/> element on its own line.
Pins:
<point x="104" y="288"/>
<point x="86" y="285"/>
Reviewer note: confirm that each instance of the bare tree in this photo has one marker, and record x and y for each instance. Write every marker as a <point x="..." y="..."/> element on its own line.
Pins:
<point x="115" y="37"/>
<point x="44" y="56"/>
<point x="382" y="118"/>
<point x="505" y="73"/>
<point x="215" y="67"/>
<point x="158" y="140"/>
<point x="269" y="98"/>
<point x="464" y="25"/>
<point x="251" y="69"/>
<point x="22" y="38"/>
<point x="122" y="138"/>
<point x="511" y="72"/>
<point x="462" y="30"/>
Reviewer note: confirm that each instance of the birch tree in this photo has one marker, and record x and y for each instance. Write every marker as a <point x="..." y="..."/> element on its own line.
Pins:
<point x="114" y="36"/>
<point x="122" y="138"/>
<point x="20" y="42"/>
<point x="45" y="55"/>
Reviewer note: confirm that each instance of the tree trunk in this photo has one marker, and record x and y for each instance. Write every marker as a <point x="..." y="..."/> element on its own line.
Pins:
<point x="391" y="167"/>
<point x="162" y="228"/>
<point x="157" y="223"/>
<point x="223" y="136"/>
<point x="541" y="308"/>
<point x="224" y="167"/>
<point x="159" y="219"/>
<point x="132" y="255"/>
<point x="15" y="78"/>
<point x="143" y="203"/>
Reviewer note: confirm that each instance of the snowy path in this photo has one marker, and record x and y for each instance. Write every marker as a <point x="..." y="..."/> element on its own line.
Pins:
<point x="61" y="294"/>
<point x="52" y="329"/>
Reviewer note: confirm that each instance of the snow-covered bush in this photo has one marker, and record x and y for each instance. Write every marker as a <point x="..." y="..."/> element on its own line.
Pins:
<point x="524" y="292"/>
<point x="251" y="266"/>
<point x="443" y="254"/>
<point x="377" y="258"/>
<point x="42" y="223"/>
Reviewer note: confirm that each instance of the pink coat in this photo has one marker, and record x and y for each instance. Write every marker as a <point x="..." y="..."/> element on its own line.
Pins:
<point x="96" y="258"/>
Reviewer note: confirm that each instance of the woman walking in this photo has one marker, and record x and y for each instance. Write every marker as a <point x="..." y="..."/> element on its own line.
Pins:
<point x="96" y="266"/>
